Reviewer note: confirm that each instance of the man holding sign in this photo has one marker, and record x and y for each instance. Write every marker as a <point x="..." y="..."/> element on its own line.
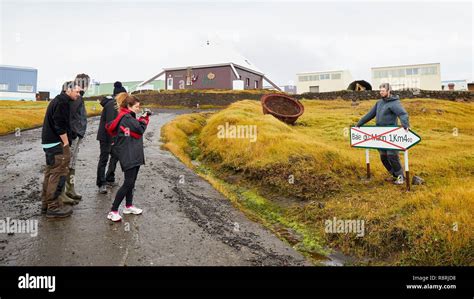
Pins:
<point x="386" y="112"/>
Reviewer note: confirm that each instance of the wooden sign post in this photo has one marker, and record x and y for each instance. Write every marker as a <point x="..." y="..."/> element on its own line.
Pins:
<point x="367" y="162"/>
<point x="385" y="138"/>
<point x="407" y="171"/>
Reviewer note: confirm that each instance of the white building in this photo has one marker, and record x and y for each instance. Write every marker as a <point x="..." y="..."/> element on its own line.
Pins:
<point x="454" y="85"/>
<point x="323" y="81"/>
<point x="421" y="76"/>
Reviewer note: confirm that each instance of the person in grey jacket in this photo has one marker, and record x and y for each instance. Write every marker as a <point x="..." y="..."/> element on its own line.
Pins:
<point x="78" y="123"/>
<point x="387" y="111"/>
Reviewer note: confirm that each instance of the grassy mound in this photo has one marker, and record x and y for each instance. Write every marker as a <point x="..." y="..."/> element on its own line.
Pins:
<point x="27" y="115"/>
<point x="312" y="174"/>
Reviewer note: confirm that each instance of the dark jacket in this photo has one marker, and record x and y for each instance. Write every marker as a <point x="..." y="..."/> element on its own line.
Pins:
<point x="386" y="111"/>
<point x="78" y="117"/>
<point x="129" y="138"/>
<point x="109" y="113"/>
<point x="56" y="120"/>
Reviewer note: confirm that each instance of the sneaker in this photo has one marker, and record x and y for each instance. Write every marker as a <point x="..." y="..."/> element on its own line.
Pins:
<point x="114" y="216"/>
<point x="399" y="180"/>
<point x="112" y="184"/>
<point x="103" y="189"/>
<point x="132" y="210"/>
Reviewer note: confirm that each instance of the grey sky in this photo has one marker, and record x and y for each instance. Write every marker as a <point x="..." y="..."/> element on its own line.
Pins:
<point x="120" y="40"/>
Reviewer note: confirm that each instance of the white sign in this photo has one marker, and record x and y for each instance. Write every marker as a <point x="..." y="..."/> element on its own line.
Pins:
<point x="388" y="138"/>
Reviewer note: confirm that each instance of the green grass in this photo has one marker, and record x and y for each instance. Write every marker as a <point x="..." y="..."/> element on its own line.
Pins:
<point x="26" y="115"/>
<point x="431" y="225"/>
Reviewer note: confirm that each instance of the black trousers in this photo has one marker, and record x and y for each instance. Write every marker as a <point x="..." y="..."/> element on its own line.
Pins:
<point x="391" y="161"/>
<point x="126" y="190"/>
<point x="106" y="151"/>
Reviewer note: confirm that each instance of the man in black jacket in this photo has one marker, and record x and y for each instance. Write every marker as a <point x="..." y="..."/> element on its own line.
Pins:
<point x="55" y="139"/>
<point x="78" y="120"/>
<point x="109" y="113"/>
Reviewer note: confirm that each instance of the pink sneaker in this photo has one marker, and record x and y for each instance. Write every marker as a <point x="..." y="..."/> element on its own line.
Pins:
<point x="114" y="216"/>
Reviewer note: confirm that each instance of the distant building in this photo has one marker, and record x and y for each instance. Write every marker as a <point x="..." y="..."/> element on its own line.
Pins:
<point x="290" y="89"/>
<point x="18" y="83"/>
<point x="212" y="67"/>
<point x="323" y="81"/>
<point x="421" y="76"/>
<point x="43" y="96"/>
<point x="97" y="88"/>
<point x="454" y="85"/>
<point x="359" y="85"/>
<point x="470" y="86"/>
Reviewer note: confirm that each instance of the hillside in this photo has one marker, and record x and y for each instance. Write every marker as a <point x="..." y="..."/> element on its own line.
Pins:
<point x="294" y="178"/>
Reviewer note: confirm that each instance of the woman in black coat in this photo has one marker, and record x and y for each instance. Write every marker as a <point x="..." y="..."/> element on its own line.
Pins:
<point x="128" y="132"/>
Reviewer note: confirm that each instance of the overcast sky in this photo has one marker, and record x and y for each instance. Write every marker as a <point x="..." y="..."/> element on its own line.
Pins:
<point x="124" y="40"/>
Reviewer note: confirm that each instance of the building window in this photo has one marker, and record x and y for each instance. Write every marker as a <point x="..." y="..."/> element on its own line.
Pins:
<point x="25" y="88"/>
<point x="431" y="70"/>
<point x="398" y="73"/>
<point x="412" y="71"/>
<point x="256" y="84"/>
<point x="3" y="86"/>
<point x="324" y="77"/>
<point x="336" y="76"/>
<point x="247" y="82"/>
<point x="314" y="89"/>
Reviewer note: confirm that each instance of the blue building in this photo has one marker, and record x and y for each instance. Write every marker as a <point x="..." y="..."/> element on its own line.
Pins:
<point x="18" y="83"/>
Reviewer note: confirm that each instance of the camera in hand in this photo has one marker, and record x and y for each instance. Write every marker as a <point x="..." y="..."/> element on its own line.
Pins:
<point x="147" y="112"/>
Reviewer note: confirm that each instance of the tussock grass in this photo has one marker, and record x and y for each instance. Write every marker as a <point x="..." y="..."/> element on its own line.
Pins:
<point x="431" y="225"/>
<point x="27" y="115"/>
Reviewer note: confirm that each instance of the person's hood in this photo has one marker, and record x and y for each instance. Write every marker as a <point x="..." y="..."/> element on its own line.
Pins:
<point x="392" y="97"/>
<point x="112" y="127"/>
<point x="105" y="100"/>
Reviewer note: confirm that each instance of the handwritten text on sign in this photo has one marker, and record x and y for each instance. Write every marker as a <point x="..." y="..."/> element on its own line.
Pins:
<point x="389" y="138"/>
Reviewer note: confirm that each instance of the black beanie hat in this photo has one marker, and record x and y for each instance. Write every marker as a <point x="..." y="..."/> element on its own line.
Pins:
<point x="118" y="88"/>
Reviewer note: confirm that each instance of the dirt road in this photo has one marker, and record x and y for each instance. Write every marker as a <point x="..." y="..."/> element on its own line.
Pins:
<point x="184" y="223"/>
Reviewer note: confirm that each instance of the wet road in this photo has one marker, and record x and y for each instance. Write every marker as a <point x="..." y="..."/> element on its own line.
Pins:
<point x="186" y="223"/>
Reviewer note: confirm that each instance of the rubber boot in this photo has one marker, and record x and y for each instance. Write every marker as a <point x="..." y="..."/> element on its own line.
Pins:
<point x="58" y="211"/>
<point x="66" y="199"/>
<point x="70" y="191"/>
